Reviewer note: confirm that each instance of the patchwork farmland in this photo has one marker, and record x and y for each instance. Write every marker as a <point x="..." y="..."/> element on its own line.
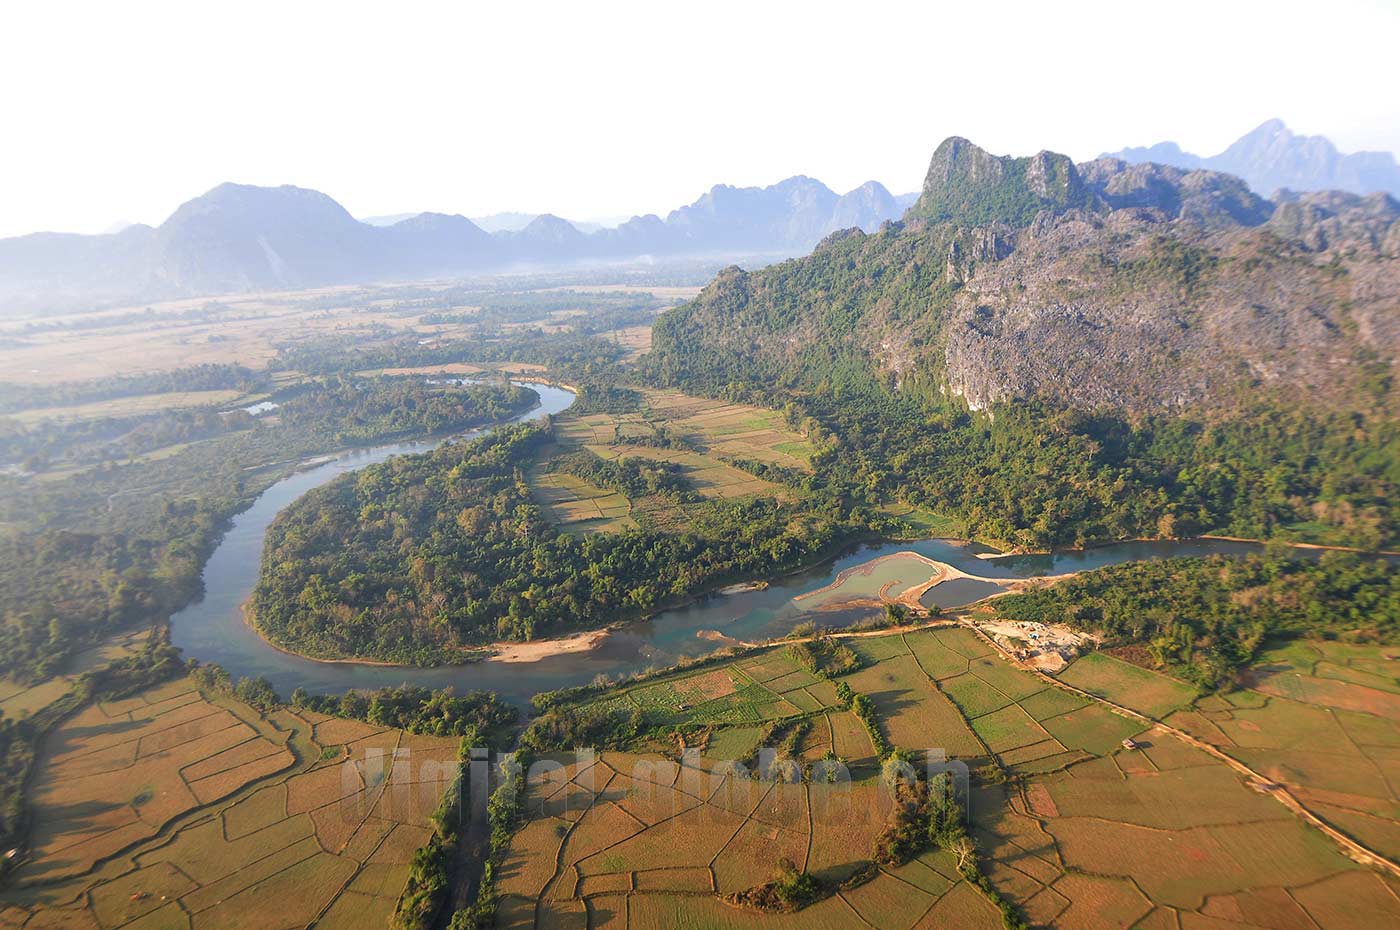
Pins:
<point x="1083" y="817"/>
<point x="176" y="809"/>
<point x="699" y="436"/>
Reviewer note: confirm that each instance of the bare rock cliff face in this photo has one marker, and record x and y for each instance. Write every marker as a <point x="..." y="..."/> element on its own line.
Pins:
<point x="1138" y="288"/>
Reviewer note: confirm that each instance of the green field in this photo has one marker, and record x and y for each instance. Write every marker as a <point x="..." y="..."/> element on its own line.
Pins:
<point x="709" y="431"/>
<point x="1139" y="689"/>
<point x="1075" y="831"/>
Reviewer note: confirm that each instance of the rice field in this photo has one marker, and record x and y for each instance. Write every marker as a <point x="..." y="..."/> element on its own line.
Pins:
<point x="1139" y="689"/>
<point x="711" y="431"/>
<point x="1078" y="830"/>
<point x="175" y="809"/>
<point x="579" y="506"/>
<point x="645" y="842"/>
<point x="706" y="474"/>
<point x="736" y="430"/>
<point x="1321" y="718"/>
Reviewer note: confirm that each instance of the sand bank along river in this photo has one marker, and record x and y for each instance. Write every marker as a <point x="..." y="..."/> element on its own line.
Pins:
<point x="213" y="630"/>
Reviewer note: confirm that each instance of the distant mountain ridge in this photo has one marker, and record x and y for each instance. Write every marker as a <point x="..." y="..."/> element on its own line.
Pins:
<point x="1272" y="157"/>
<point x="239" y="237"/>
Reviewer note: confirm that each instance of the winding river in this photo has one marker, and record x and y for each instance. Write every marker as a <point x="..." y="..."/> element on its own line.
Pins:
<point x="212" y="629"/>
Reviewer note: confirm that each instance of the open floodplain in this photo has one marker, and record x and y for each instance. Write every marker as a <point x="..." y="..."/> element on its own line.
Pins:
<point x="1073" y="826"/>
<point x="1111" y="796"/>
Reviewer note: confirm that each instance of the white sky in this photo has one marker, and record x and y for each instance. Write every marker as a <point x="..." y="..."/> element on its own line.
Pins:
<point x="122" y="110"/>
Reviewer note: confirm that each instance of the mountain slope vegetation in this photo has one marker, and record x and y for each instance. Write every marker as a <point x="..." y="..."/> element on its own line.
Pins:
<point x="1060" y="353"/>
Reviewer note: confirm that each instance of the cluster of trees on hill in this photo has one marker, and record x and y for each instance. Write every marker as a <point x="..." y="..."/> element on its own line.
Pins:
<point x="415" y="558"/>
<point x="633" y="476"/>
<point x="1205" y="618"/>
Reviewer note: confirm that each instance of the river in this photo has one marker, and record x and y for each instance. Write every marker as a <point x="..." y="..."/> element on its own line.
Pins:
<point x="212" y="629"/>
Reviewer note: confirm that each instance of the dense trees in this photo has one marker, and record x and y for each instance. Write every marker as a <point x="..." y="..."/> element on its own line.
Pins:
<point x="479" y="717"/>
<point x="1204" y="618"/>
<point x="138" y="557"/>
<point x="418" y="557"/>
<point x="1036" y="475"/>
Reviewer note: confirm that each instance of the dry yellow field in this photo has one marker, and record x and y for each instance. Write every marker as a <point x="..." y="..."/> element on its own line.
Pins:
<point x="627" y="840"/>
<point x="1322" y="718"/>
<point x="20" y="700"/>
<point x="240" y="328"/>
<point x="578" y="505"/>
<point x="131" y="406"/>
<point x="174" y="810"/>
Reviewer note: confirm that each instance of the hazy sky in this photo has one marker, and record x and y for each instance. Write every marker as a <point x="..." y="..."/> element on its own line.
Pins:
<point x="121" y="111"/>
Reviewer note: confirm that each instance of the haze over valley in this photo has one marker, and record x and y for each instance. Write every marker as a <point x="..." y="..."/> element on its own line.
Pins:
<point x="1011" y="544"/>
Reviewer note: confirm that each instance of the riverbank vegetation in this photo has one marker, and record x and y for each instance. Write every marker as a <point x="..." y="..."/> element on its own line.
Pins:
<point x="123" y="542"/>
<point x="418" y="557"/>
<point x="1206" y="618"/>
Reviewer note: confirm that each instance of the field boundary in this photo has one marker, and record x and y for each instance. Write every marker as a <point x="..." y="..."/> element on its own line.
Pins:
<point x="1352" y="848"/>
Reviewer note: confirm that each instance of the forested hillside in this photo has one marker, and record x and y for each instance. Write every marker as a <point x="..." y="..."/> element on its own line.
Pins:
<point x="1059" y="353"/>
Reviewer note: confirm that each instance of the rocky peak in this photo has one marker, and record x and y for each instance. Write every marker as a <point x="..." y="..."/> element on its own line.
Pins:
<point x="957" y="160"/>
<point x="970" y="186"/>
<point x="1207" y="198"/>
<point x="1323" y="220"/>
